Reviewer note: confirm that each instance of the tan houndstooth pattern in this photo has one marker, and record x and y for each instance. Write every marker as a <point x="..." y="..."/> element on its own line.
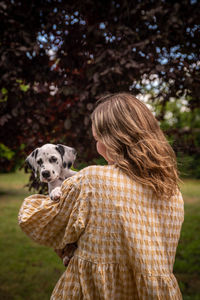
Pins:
<point x="127" y="239"/>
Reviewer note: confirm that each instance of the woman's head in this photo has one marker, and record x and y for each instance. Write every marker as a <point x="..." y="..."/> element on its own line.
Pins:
<point x="135" y="142"/>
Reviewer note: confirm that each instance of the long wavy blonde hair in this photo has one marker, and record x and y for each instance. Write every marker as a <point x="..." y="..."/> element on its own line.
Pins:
<point x="135" y="142"/>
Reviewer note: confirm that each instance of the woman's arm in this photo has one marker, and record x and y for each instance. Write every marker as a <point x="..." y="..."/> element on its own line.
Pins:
<point x="57" y="224"/>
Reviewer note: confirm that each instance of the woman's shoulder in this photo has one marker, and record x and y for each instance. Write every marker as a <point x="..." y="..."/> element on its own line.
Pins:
<point x="90" y="172"/>
<point x="98" y="170"/>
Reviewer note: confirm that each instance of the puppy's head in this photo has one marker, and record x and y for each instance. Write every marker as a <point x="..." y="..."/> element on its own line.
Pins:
<point x="50" y="159"/>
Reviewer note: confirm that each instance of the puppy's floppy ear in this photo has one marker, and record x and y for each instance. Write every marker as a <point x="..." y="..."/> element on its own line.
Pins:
<point x="68" y="155"/>
<point x="31" y="161"/>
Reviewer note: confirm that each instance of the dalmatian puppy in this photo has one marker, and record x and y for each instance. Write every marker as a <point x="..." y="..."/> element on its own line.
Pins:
<point x="53" y="162"/>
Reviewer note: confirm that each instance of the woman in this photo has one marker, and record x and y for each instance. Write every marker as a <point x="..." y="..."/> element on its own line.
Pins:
<point x="126" y="217"/>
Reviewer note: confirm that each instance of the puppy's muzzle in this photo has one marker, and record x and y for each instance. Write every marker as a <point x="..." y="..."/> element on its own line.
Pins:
<point x="46" y="174"/>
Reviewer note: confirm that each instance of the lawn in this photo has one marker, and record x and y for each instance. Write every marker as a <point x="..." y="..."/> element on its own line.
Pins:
<point x="29" y="271"/>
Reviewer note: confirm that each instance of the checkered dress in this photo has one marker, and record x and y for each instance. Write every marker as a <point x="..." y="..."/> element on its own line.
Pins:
<point x="126" y="238"/>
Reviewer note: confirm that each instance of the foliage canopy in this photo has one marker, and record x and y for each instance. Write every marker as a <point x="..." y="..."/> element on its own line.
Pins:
<point x="57" y="57"/>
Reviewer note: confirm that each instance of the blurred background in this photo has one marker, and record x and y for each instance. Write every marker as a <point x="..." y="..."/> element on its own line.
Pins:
<point x="56" y="59"/>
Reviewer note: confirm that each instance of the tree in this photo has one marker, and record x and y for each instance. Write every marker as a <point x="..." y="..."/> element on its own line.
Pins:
<point x="57" y="57"/>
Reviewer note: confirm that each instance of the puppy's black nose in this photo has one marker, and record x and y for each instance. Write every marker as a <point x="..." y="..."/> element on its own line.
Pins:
<point x="46" y="174"/>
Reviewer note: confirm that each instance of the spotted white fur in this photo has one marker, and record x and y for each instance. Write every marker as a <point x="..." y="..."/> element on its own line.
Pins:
<point x="53" y="163"/>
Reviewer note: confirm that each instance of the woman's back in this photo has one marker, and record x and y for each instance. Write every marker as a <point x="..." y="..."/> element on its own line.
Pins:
<point x="127" y="249"/>
<point x="125" y="213"/>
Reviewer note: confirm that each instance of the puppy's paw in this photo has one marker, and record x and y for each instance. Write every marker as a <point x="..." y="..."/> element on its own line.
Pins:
<point x="55" y="194"/>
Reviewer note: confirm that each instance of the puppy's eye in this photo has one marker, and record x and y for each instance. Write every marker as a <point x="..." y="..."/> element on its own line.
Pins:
<point x="53" y="159"/>
<point x="40" y="162"/>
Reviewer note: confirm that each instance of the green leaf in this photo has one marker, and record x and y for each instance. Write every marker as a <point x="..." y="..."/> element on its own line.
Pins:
<point x="24" y="87"/>
<point x="6" y="152"/>
<point x="4" y="91"/>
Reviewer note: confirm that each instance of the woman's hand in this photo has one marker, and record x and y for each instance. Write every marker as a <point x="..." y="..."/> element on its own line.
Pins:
<point x="67" y="253"/>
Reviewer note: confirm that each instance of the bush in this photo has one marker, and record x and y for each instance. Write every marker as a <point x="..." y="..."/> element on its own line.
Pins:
<point x="189" y="166"/>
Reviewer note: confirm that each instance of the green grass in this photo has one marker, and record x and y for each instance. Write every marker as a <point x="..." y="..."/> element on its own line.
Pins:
<point x="187" y="264"/>
<point x="29" y="271"/>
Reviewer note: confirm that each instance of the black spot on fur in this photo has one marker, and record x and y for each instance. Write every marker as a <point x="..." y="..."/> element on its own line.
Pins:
<point x="64" y="164"/>
<point x="69" y="164"/>
<point x="61" y="150"/>
<point x="36" y="153"/>
<point x="53" y="159"/>
<point x="40" y="162"/>
<point x="29" y="165"/>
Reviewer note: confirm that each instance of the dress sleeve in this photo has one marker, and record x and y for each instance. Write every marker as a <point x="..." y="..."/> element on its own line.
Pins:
<point x="56" y="224"/>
